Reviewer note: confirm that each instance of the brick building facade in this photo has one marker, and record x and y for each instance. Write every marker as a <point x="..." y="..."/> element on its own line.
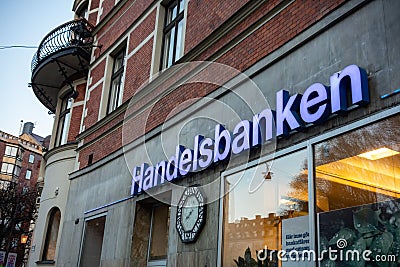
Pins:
<point x="20" y="180"/>
<point x="21" y="158"/>
<point x="273" y="103"/>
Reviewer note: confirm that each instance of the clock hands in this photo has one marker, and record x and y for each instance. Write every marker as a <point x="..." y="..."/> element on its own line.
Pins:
<point x="190" y="213"/>
<point x="188" y="216"/>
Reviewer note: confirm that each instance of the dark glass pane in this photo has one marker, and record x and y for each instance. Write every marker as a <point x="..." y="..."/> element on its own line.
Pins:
<point x="181" y="5"/>
<point x="169" y="48"/>
<point x="115" y="97"/>
<point x="118" y="62"/>
<point x="172" y="12"/>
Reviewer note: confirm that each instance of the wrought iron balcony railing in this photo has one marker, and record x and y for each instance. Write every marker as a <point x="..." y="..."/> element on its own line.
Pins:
<point x="76" y="33"/>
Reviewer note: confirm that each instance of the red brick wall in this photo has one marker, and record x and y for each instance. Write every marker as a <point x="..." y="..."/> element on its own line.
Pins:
<point x="137" y="70"/>
<point x="205" y="16"/>
<point x="2" y="150"/>
<point x="94" y="4"/>
<point x="282" y="28"/>
<point x="120" y="22"/>
<point x="93" y="105"/>
<point x="102" y="148"/>
<point x="93" y="18"/>
<point x="34" y="167"/>
<point x="106" y="5"/>
<point x="75" y="123"/>
<point x="97" y="72"/>
<point x="93" y="14"/>
<point x="25" y="164"/>
<point x="76" y="113"/>
<point x="142" y="31"/>
<point x="255" y="16"/>
<point x="81" y="89"/>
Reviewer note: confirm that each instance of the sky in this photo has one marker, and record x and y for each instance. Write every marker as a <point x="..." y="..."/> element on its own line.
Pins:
<point x="25" y="22"/>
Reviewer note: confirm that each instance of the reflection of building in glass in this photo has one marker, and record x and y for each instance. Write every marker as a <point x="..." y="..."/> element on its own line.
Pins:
<point x="254" y="233"/>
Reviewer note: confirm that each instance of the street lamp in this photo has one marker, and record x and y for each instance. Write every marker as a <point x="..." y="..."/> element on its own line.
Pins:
<point x="24" y="239"/>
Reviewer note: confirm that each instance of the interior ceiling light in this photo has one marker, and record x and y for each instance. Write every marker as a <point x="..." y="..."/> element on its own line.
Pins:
<point x="379" y="153"/>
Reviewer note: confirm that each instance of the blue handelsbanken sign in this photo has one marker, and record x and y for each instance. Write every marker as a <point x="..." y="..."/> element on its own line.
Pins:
<point x="292" y="113"/>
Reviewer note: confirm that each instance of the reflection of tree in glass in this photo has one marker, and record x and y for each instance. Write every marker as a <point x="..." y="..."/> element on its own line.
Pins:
<point x="298" y="192"/>
<point x="382" y="134"/>
<point x="339" y="157"/>
<point x="342" y="195"/>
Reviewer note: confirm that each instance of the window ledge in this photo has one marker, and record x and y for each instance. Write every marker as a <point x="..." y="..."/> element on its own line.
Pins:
<point x="46" y="262"/>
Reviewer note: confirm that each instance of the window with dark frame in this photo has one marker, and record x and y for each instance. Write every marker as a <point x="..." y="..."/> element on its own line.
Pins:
<point x="31" y="158"/>
<point x="173" y="33"/>
<point x="115" y="95"/>
<point x="11" y="151"/>
<point x="25" y="190"/>
<point x="83" y="12"/>
<point x="28" y="174"/>
<point x="17" y="171"/>
<point x="10" y="169"/>
<point x="7" y="168"/>
<point x="63" y="121"/>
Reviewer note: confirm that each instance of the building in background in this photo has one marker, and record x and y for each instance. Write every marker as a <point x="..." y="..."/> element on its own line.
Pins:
<point x="20" y="183"/>
<point x="21" y="156"/>
<point x="176" y="119"/>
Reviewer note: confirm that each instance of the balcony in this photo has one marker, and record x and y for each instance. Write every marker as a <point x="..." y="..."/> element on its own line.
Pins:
<point x="62" y="57"/>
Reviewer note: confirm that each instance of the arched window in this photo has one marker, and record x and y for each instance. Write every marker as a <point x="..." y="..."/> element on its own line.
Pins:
<point x="53" y="226"/>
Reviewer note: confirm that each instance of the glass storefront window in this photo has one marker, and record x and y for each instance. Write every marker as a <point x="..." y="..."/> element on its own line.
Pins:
<point x="263" y="206"/>
<point x="93" y="242"/>
<point x="358" y="190"/>
<point x="360" y="167"/>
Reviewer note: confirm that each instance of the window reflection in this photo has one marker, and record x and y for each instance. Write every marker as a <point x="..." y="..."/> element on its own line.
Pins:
<point x="115" y="94"/>
<point x="63" y="121"/>
<point x="258" y="202"/>
<point x="358" y="189"/>
<point x="173" y="33"/>
<point x="360" y="167"/>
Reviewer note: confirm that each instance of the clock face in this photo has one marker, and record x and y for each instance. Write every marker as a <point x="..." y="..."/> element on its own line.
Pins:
<point x="191" y="214"/>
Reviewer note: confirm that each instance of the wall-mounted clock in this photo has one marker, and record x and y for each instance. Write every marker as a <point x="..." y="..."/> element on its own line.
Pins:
<point x="191" y="214"/>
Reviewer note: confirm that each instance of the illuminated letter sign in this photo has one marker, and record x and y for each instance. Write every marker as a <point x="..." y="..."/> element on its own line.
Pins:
<point x="293" y="112"/>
